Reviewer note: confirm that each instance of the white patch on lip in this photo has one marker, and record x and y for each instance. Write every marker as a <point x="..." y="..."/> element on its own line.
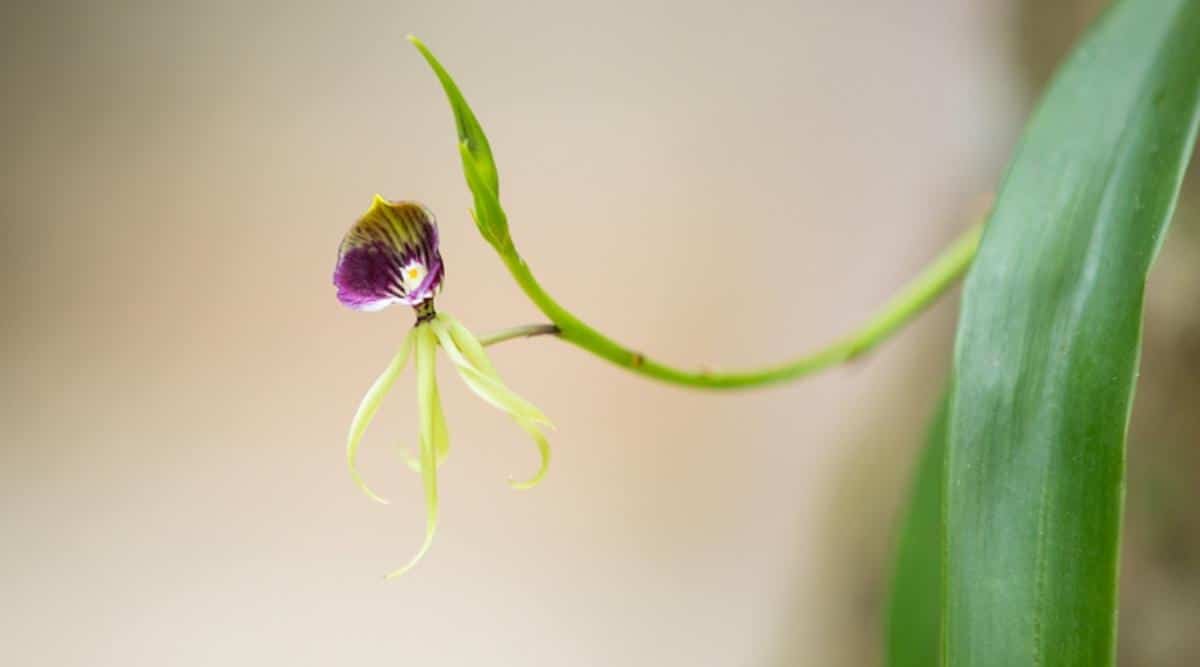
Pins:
<point x="412" y="274"/>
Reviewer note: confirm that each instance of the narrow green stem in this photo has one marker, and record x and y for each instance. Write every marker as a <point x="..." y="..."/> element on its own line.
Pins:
<point x="479" y="168"/>
<point x="524" y="331"/>
<point x="911" y="300"/>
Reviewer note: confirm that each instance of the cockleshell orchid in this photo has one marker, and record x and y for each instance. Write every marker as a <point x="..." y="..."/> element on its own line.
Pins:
<point x="391" y="256"/>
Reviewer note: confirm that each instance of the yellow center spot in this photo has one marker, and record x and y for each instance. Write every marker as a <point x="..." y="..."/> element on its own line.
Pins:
<point x="413" y="274"/>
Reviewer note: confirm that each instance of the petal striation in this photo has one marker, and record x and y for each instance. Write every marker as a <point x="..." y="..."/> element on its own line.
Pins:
<point x="389" y="256"/>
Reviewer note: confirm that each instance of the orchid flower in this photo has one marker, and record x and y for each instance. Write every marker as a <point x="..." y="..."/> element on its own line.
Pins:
<point x="391" y="256"/>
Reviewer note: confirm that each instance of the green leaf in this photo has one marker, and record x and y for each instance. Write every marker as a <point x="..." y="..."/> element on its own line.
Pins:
<point x="489" y="216"/>
<point x="914" y="608"/>
<point x="1048" y="343"/>
<point x="479" y="166"/>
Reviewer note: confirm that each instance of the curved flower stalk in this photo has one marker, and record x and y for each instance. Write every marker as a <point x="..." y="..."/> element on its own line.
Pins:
<point x="389" y="256"/>
<point x="479" y="168"/>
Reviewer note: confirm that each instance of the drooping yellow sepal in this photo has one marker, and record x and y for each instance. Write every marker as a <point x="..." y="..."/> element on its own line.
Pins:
<point x="476" y="369"/>
<point x="433" y="435"/>
<point x="367" y="409"/>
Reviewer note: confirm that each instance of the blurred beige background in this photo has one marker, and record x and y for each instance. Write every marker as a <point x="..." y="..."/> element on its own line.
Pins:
<point x="714" y="183"/>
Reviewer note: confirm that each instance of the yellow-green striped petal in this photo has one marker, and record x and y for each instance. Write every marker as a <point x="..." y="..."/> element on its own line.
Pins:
<point x="367" y="409"/>
<point x="473" y="350"/>
<point x="469" y="345"/>
<point x="429" y="406"/>
<point x="487" y="388"/>
<point x="443" y="448"/>
<point x="543" y="446"/>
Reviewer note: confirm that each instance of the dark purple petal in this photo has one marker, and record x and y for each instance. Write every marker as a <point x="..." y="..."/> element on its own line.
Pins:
<point x="389" y="256"/>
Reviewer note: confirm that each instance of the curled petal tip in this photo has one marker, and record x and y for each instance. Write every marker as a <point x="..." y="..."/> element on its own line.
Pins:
<point x="543" y="446"/>
<point x="431" y="527"/>
<point x="396" y="574"/>
<point x="351" y="461"/>
<point x="413" y="462"/>
<point x="366" y="412"/>
<point x="371" y="494"/>
<point x="518" y="485"/>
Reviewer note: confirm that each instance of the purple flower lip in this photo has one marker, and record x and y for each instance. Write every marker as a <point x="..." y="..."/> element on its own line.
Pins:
<point x="389" y="256"/>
